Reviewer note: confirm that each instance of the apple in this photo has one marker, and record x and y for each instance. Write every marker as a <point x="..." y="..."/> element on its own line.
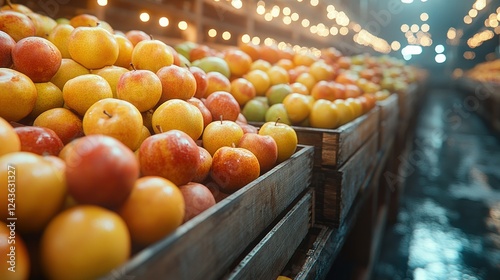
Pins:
<point x="324" y="114"/>
<point x="142" y="88"/>
<point x="179" y="115"/>
<point x="278" y="75"/>
<point x="100" y="170"/>
<point x="260" y="81"/>
<point x="111" y="74"/>
<point x="201" y="81"/>
<point x="172" y="155"/>
<point x="264" y="147"/>
<point x="17" y="25"/>
<point x="242" y="90"/>
<point x="213" y="64"/>
<point x="78" y="97"/>
<point x="37" y="58"/>
<point x="43" y="24"/>
<point x="40" y="190"/>
<point x="93" y="47"/>
<point x="217" y="82"/>
<point x="185" y="48"/>
<point x="199" y="51"/>
<point x="117" y="118"/>
<point x="221" y="133"/>
<point x="277" y="112"/>
<point x="135" y="36"/>
<point x="322" y="71"/>
<point x="223" y="106"/>
<point x="285" y="137"/>
<point x="247" y="128"/>
<point x="16" y="88"/>
<point x="233" y="168"/>
<point x="216" y="190"/>
<point x="66" y="124"/>
<point x="197" y="198"/>
<point x="69" y="69"/>
<point x="84" y="20"/>
<point x="323" y="90"/>
<point x="6" y="46"/>
<point x="238" y="61"/>
<point x="177" y="83"/>
<point x="59" y="36"/>
<point x="9" y="138"/>
<point x="125" y="48"/>
<point x="151" y="54"/>
<point x="298" y="106"/>
<point x="207" y="115"/>
<point x="205" y="164"/>
<point x="255" y="110"/>
<point x="276" y="93"/>
<point x="39" y="140"/>
<point x="49" y="96"/>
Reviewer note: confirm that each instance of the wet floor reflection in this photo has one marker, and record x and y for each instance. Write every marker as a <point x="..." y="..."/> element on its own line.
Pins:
<point x="449" y="221"/>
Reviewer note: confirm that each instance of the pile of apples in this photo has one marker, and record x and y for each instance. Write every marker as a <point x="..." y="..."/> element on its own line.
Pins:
<point x="112" y="140"/>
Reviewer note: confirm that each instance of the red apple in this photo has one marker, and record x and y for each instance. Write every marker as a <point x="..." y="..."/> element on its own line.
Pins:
<point x="201" y="81"/>
<point x="100" y="170"/>
<point x="177" y="83"/>
<point x="6" y="46"/>
<point x="135" y="36"/>
<point x="205" y="164"/>
<point x="172" y="155"/>
<point x="223" y="105"/>
<point x="233" y="168"/>
<point x="207" y="116"/>
<point x="216" y="191"/>
<point x="197" y="198"/>
<point x="323" y="90"/>
<point x="264" y="147"/>
<point x="37" y="58"/>
<point x="198" y="52"/>
<point x="17" y="25"/>
<point x="39" y="140"/>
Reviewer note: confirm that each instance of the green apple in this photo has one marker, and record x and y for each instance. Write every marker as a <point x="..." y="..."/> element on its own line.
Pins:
<point x="277" y="93"/>
<point x="213" y="64"/>
<point x="277" y="111"/>
<point x="255" y="110"/>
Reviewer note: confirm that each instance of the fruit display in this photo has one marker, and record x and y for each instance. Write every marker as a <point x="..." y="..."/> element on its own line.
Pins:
<point x="123" y="146"/>
<point x="127" y="137"/>
<point x="485" y="72"/>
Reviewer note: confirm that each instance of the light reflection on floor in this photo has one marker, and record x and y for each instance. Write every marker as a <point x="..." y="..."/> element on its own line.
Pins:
<point x="449" y="223"/>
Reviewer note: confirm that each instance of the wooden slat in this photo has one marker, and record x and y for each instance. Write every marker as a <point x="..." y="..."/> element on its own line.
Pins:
<point x="269" y="257"/>
<point x="337" y="189"/>
<point x="389" y="112"/>
<point x="206" y="246"/>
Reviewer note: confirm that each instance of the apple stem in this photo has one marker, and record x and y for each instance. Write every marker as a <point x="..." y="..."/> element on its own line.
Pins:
<point x="107" y="114"/>
<point x="151" y="36"/>
<point x="9" y="4"/>
<point x="132" y="65"/>
<point x="277" y="120"/>
<point x="220" y="119"/>
<point x="159" y="128"/>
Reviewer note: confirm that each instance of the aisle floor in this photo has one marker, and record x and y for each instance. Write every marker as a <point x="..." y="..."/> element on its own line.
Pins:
<point x="448" y="225"/>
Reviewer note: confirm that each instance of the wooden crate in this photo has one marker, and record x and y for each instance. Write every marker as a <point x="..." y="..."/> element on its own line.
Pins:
<point x="207" y="246"/>
<point x="388" y="123"/>
<point x="336" y="189"/>
<point x="333" y="147"/>
<point x="269" y="257"/>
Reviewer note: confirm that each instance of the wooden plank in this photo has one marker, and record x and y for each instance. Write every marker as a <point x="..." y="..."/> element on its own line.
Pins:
<point x="388" y="123"/>
<point x="336" y="189"/>
<point x="206" y="246"/>
<point x="269" y="257"/>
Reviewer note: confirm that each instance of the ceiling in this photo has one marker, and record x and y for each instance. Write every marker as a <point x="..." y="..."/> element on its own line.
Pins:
<point x="385" y="18"/>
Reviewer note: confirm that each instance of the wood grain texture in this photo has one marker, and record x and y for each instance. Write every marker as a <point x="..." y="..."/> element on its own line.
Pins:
<point x="388" y="123"/>
<point x="336" y="189"/>
<point x="269" y="257"/>
<point x="206" y="246"/>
